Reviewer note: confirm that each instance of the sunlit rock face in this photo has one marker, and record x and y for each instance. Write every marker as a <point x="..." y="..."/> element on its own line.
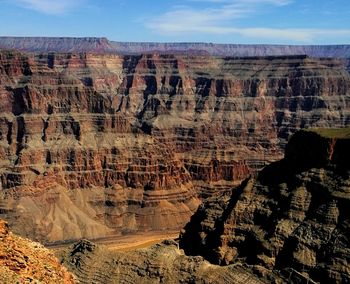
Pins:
<point x="99" y="144"/>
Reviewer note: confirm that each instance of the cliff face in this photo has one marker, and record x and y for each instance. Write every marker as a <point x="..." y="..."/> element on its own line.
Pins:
<point x="103" y="45"/>
<point x="93" y="145"/>
<point x="293" y="219"/>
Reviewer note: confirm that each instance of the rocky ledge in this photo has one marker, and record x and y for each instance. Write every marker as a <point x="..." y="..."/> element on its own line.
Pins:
<point x="291" y="221"/>
<point x="25" y="261"/>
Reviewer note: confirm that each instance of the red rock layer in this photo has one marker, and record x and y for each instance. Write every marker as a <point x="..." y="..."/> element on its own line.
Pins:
<point x="92" y="145"/>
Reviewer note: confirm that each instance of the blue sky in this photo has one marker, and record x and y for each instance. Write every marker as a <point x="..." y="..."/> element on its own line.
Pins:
<point x="220" y="21"/>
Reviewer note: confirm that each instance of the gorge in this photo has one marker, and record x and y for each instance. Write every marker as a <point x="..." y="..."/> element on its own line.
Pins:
<point x="287" y="225"/>
<point x="95" y="144"/>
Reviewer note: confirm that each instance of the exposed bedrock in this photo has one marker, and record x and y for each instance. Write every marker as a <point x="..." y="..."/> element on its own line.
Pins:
<point x="292" y="220"/>
<point x="133" y="142"/>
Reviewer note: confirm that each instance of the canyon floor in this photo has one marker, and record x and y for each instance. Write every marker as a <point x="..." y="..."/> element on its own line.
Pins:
<point x="160" y="263"/>
<point x="125" y="243"/>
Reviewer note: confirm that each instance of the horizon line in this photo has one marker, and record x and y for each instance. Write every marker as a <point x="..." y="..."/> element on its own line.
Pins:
<point x="172" y="42"/>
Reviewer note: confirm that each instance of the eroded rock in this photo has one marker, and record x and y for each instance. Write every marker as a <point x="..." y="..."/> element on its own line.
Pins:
<point x="293" y="218"/>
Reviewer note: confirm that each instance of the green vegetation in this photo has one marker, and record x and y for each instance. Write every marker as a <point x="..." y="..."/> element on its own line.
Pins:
<point x="340" y="133"/>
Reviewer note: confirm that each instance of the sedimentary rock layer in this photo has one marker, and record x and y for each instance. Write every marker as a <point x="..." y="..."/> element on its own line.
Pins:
<point x="293" y="218"/>
<point x="93" y="145"/>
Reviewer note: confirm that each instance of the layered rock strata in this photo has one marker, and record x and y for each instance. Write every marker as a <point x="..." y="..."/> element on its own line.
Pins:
<point x="292" y="220"/>
<point x="24" y="261"/>
<point x="93" y="145"/>
<point x="161" y="263"/>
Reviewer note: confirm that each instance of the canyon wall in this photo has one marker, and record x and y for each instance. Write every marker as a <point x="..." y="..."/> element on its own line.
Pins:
<point x="93" y="145"/>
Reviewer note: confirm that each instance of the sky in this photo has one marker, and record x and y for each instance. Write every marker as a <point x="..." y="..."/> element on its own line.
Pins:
<point x="217" y="21"/>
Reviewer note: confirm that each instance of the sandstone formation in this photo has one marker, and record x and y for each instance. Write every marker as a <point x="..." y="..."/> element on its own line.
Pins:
<point x="103" y="45"/>
<point x="162" y="263"/>
<point x="24" y="261"/>
<point x="292" y="221"/>
<point x="100" y="144"/>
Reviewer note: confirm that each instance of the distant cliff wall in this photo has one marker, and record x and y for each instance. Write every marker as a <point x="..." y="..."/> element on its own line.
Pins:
<point x="98" y="144"/>
<point x="103" y="45"/>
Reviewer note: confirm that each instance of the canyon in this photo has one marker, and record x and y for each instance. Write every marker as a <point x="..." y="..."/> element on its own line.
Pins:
<point x="243" y="149"/>
<point x="99" y="144"/>
<point x="289" y="224"/>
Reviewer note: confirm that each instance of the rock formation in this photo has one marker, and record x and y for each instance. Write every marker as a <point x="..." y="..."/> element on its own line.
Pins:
<point x="57" y="44"/>
<point x="292" y="220"/>
<point x="161" y="263"/>
<point x="24" y="261"/>
<point x="99" y="144"/>
<point x="103" y="45"/>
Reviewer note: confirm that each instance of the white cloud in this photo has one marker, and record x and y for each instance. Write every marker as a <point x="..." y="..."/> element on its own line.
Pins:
<point x="53" y="7"/>
<point x="299" y="35"/>
<point x="186" y="18"/>
<point x="218" y="21"/>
